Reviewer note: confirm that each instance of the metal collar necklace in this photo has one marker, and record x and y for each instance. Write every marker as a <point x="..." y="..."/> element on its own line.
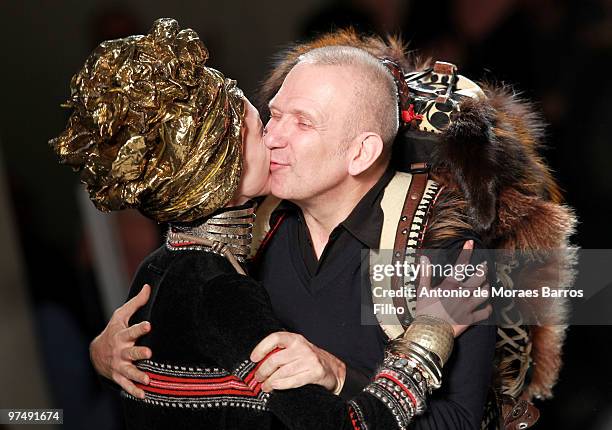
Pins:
<point x="228" y="233"/>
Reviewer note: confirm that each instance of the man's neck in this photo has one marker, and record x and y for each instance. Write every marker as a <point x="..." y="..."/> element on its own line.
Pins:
<point x="325" y="212"/>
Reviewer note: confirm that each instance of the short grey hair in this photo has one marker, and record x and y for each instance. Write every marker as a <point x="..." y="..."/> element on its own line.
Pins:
<point x="375" y="89"/>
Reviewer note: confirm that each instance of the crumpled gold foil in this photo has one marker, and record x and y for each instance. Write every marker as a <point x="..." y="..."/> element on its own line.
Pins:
<point x="152" y="128"/>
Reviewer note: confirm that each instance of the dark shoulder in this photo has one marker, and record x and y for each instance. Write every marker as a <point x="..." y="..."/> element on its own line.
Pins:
<point x="212" y="272"/>
<point x="158" y="259"/>
<point x="150" y="270"/>
<point x="184" y="267"/>
<point x="200" y="266"/>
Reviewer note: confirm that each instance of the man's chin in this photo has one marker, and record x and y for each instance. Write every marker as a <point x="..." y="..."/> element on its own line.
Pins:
<point x="279" y="194"/>
<point x="279" y="189"/>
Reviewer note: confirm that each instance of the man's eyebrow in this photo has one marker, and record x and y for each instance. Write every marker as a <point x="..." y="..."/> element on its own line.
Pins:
<point x="304" y="113"/>
<point x="312" y="115"/>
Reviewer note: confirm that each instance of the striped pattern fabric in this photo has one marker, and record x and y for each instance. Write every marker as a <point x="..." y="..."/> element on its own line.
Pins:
<point x="194" y="387"/>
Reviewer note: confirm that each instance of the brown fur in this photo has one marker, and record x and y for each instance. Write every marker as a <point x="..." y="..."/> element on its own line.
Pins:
<point x="509" y="195"/>
<point x="492" y="145"/>
<point x="491" y="152"/>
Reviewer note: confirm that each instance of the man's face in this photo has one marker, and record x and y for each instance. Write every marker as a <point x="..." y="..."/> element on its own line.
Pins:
<point x="307" y="131"/>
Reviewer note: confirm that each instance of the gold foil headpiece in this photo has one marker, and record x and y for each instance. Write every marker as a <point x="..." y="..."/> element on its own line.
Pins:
<point x="152" y="128"/>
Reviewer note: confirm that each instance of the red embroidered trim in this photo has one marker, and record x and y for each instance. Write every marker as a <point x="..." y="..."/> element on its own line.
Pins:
<point x="181" y="244"/>
<point x="206" y="386"/>
<point x="354" y="419"/>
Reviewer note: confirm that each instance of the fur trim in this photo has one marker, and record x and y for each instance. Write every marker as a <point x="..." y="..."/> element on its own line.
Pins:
<point x="527" y="222"/>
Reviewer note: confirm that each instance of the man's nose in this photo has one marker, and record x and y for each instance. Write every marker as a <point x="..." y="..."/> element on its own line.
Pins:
<point x="275" y="134"/>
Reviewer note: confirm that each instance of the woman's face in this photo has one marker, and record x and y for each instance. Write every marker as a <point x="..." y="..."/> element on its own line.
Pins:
<point x="255" y="179"/>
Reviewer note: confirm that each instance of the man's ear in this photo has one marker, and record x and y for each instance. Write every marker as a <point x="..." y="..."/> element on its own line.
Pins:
<point x="365" y="150"/>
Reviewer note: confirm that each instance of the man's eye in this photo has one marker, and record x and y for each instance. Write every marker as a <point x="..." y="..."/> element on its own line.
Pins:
<point x="304" y="124"/>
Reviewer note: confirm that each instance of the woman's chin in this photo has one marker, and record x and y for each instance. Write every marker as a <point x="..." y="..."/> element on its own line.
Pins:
<point x="265" y="189"/>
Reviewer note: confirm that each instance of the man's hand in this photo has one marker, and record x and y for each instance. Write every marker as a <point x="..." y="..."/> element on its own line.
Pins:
<point x="298" y="363"/>
<point x="459" y="312"/>
<point x="113" y="351"/>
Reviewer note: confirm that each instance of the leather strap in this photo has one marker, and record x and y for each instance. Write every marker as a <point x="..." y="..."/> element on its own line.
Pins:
<point x="411" y="203"/>
<point x="391" y="204"/>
